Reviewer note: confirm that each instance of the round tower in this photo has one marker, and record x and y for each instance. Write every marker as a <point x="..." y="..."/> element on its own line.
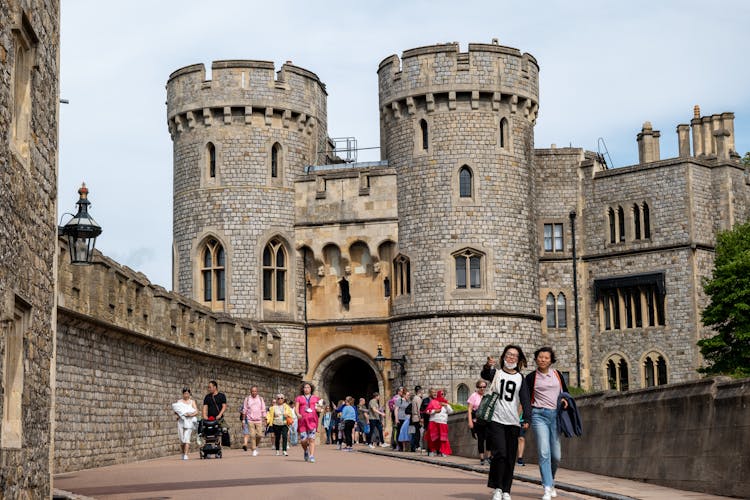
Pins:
<point x="458" y="127"/>
<point x="239" y="141"/>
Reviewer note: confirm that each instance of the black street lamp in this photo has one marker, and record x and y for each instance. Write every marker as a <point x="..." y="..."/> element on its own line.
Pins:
<point x="572" y="216"/>
<point x="380" y="361"/>
<point x="81" y="231"/>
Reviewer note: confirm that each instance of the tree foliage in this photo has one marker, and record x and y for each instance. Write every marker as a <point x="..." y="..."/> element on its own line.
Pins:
<point x="746" y="159"/>
<point x="728" y="312"/>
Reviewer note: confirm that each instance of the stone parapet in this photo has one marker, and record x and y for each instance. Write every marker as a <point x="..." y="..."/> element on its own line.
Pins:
<point x="112" y="295"/>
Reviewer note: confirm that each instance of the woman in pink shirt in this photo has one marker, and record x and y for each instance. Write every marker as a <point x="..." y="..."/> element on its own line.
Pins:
<point x="306" y="408"/>
<point x="478" y="429"/>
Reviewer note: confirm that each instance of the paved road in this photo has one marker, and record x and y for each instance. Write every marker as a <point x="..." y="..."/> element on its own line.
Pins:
<point x="335" y="475"/>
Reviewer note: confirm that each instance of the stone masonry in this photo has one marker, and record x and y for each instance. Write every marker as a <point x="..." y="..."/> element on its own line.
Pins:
<point x="29" y="94"/>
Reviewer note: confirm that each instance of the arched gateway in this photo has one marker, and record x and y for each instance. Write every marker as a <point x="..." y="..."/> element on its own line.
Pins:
<point x="347" y="372"/>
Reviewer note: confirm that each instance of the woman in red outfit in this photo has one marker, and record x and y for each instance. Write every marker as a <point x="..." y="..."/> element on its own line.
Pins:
<point x="439" y="409"/>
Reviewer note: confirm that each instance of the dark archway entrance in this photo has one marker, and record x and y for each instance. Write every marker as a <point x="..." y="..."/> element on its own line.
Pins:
<point x="348" y="376"/>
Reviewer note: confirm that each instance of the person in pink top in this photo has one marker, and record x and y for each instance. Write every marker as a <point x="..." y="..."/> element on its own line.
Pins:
<point x="478" y="429"/>
<point x="253" y="416"/>
<point x="306" y="407"/>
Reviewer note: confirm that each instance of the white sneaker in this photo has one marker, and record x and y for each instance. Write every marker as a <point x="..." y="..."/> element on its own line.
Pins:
<point x="255" y="453"/>
<point x="184" y="457"/>
<point x="498" y="494"/>
<point x="278" y="453"/>
<point x="286" y="454"/>
<point x="547" y="493"/>
<point x="506" y="496"/>
<point x="370" y="446"/>
<point x="553" y="492"/>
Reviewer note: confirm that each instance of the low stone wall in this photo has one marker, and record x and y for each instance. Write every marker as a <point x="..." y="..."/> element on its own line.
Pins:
<point x="115" y="389"/>
<point x="692" y="436"/>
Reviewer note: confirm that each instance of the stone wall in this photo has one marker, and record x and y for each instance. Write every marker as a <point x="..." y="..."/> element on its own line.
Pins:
<point x="125" y="350"/>
<point x="692" y="436"/>
<point x="29" y="100"/>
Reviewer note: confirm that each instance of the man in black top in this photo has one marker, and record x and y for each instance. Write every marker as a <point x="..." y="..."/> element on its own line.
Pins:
<point x="215" y="402"/>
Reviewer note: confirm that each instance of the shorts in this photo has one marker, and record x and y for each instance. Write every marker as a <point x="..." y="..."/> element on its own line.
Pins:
<point x="523" y="432"/>
<point x="184" y="433"/>
<point x="307" y="435"/>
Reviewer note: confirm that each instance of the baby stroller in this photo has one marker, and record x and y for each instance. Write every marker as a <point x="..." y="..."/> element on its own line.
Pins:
<point x="209" y="438"/>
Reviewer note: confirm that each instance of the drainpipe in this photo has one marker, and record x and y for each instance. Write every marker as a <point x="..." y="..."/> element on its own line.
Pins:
<point x="304" y="263"/>
<point x="575" y="297"/>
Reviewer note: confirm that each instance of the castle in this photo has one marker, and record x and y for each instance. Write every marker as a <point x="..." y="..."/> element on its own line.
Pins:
<point x="459" y="241"/>
<point x="290" y="263"/>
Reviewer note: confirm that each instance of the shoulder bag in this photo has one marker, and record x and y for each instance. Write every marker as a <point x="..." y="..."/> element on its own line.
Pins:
<point x="487" y="406"/>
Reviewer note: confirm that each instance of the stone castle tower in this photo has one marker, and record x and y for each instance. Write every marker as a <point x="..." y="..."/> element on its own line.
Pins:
<point x="458" y="129"/>
<point x="240" y="139"/>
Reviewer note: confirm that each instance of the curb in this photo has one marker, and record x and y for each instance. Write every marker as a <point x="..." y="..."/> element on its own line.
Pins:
<point x="606" y="495"/>
<point x="66" y="495"/>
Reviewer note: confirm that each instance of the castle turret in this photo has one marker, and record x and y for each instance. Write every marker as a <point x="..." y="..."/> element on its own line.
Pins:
<point x="240" y="139"/>
<point x="458" y="129"/>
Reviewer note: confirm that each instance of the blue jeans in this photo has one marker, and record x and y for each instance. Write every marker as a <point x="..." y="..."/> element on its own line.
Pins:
<point x="544" y="424"/>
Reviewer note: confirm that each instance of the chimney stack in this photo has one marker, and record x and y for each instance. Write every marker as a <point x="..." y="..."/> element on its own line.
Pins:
<point x="648" y="144"/>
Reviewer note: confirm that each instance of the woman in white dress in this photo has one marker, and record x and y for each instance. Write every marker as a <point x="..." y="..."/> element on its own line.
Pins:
<point x="186" y="412"/>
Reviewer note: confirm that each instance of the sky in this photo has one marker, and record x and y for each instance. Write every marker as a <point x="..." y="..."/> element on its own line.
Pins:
<point x="605" y="68"/>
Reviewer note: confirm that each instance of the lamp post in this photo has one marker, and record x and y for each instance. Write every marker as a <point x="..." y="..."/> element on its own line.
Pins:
<point x="380" y="361"/>
<point x="572" y="216"/>
<point x="81" y="231"/>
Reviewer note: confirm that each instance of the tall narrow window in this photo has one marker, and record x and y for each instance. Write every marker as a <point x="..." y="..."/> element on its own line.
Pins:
<point x="636" y="222"/>
<point x="20" y="126"/>
<point x="612" y="226"/>
<point x="623" y="369"/>
<point x="425" y="134"/>
<point x="648" y="368"/>
<point x="551" y="322"/>
<point x="650" y="306"/>
<point x="562" y="317"/>
<point x="606" y="312"/>
<point x="12" y="376"/>
<point x="661" y="371"/>
<point x="402" y="275"/>
<point x="468" y="261"/>
<point x="275" y="160"/>
<point x="213" y="273"/>
<point x="274" y="271"/>
<point x="612" y="375"/>
<point x="558" y="237"/>
<point x="646" y="221"/>
<point x="211" y="154"/>
<point x="654" y="370"/>
<point x="637" y="307"/>
<point x="628" y="309"/>
<point x="617" y="373"/>
<point x="462" y="393"/>
<point x="615" y="297"/>
<point x="503" y="138"/>
<point x="465" y="182"/>
<point x="548" y="238"/>
<point x="621" y="220"/>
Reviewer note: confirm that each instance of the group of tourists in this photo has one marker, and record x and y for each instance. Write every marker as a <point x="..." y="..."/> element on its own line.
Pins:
<point x="506" y="403"/>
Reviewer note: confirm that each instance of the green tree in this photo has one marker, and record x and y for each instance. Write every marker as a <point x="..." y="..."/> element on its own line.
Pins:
<point x="728" y="313"/>
<point x="746" y="159"/>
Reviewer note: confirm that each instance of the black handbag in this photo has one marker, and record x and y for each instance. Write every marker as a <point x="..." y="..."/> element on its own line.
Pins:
<point x="487" y="405"/>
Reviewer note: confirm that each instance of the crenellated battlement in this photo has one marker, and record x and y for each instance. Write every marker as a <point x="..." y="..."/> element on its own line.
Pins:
<point x="245" y="91"/>
<point x="441" y="75"/>
<point x="109" y="293"/>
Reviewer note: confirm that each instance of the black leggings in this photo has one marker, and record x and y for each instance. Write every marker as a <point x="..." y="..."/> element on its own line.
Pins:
<point x="280" y="433"/>
<point x="503" y="440"/>
<point x="481" y="431"/>
<point x="348" y="428"/>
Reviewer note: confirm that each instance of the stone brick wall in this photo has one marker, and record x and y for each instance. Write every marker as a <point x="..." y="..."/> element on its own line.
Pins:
<point x="28" y="194"/>
<point x="125" y="349"/>
<point x="692" y="436"/>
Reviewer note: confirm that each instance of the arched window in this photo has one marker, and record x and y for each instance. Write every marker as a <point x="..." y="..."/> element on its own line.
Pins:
<point x="503" y="138"/>
<point x="612" y="226"/>
<point x="213" y="272"/>
<point x="465" y="182"/>
<point x="211" y="159"/>
<point x="274" y="271"/>
<point x="425" y="134"/>
<point x="617" y="373"/>
<point x="462" y="393"/>
<point x="275" y="160"/>
<point x="402" y="275"/>
<point x="621" y="220"/>
<point x="636" y="222"/>
<point x="646" y="221"/>
<point x="562" y="319"/>
<point x="551" y="322"/>
<point x="654" y="370"/>
<point x="468" y="269"/>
